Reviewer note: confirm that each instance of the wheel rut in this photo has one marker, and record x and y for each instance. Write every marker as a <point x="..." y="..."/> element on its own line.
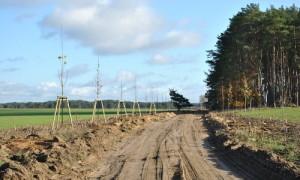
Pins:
<point x="173" y="149"/>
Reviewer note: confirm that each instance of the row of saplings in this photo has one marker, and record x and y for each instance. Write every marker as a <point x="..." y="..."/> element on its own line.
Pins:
<point x="178" y="100"/>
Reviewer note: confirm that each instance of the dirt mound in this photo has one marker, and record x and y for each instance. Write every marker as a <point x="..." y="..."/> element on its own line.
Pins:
<point x="66" y="153"/>
<point x="263" y="162"/>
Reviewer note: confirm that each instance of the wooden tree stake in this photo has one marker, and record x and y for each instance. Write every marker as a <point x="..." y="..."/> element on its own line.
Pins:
<point x="58" y="108"/>
<point x="133" y="108"/>
<point x="119" y="108"/>
<point x="152" y="108"/>
<point x="95" y="108"/>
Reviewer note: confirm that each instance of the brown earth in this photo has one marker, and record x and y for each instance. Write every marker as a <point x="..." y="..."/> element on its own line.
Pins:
<point x="163" y="146"/>
<point x="175" y="148"/>
<point x="224" y="131"/>
<point x="66" y="153"/>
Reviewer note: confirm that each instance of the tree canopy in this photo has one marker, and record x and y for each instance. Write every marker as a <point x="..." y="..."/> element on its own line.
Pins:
<point x="256" y="61"/>
<point x="178" y="100"/>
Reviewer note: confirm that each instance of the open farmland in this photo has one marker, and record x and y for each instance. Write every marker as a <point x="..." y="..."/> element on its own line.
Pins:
<point x="291" y="114"/>
<point x="11" y="118"/>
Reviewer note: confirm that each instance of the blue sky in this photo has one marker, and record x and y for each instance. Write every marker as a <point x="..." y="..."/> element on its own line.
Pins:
<point x="162" y="43"/>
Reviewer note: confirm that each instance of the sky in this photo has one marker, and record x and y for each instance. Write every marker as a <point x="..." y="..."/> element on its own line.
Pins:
<point x="152" y="45"/>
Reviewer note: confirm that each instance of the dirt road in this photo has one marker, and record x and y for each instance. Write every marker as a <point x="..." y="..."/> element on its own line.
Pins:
<point x="175" y="148"/>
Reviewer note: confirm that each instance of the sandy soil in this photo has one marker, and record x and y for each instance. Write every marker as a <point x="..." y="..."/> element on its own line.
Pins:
<point x="163" y="146"/>
<point x="174" y="148"/>
<point x="65" y="153"/>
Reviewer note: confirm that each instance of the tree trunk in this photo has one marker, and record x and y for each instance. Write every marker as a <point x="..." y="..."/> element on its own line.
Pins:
<point x="274" y="77"/>
<point x="297" y="88"/>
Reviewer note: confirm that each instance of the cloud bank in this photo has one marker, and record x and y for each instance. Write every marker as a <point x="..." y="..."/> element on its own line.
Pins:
<point x="78" y="70"/>
<point x="115" y="26"/>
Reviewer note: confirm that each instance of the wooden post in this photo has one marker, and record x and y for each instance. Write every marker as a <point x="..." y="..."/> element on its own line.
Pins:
<point x="58" y="108"/>
<point x="70" y="112"/>
<point x="95" y="108"/>
<point x="152" y="105"/>
<point x="54" y="118"/>
<point x="133" y="108"/>
<point x="119" y="108"/>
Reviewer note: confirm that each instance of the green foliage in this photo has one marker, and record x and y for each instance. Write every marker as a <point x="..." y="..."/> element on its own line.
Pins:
<point x="262" y="47"/>
<point x="178" y="100"/>
<point x="288" y="150"/>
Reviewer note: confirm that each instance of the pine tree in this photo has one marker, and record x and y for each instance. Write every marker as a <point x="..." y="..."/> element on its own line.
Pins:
<point x="178" y="100"/>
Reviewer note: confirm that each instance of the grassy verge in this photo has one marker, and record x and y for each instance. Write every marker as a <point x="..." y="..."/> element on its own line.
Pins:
<point x="276" y="144"/>
<point x="286" y="113"/>
<point x="276" y="130"/>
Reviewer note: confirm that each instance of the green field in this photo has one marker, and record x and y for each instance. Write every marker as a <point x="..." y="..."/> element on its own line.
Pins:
<point x="10" y="118"/>
<point x="291" y="114"/>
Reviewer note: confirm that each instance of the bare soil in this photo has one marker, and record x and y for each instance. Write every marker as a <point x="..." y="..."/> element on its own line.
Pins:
<point x="162" y="146"/>
<point x="65" y="153"/>
<point x="174" y="148"/>
<point x="258" y="163"/>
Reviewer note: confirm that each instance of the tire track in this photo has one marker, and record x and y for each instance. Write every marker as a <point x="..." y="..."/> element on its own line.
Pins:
<point x="196" y="134"/>
<point x="155" y="157"/>
<point x="194" y="164"/>
<point x="170" y="149"/>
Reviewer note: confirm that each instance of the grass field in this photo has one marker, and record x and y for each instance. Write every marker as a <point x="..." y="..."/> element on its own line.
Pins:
<point x="10" y="118"/>
<point x="291" y="114"/>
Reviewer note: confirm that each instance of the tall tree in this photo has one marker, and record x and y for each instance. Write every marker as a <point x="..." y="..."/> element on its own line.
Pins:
<point x="263" y="48"/>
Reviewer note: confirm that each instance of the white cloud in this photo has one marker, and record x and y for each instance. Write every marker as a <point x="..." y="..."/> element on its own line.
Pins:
<point x="18" y="92"/>
<point x="174" y="39"/>
<point x="78" y="70"/>
<point x="160" y="59"/>
<point x="11" y="91"/>
<point x="45" y="91"/>
<point x="115" y="26"/>
<point x="45" y="86"/>
<point x="8" y="88"/>
<point x="125" y="76"/>
<point x="80" y="92"/>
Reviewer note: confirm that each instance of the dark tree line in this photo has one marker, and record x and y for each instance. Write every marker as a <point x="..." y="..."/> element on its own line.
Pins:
<point x="110" y="104"/>
<point x="256" y="61"/>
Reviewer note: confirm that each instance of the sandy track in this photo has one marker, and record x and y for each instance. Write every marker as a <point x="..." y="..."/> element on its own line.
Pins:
<point x="174" y="148"/>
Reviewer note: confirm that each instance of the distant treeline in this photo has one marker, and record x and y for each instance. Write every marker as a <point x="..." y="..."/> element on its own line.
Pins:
<point x="110" y="104"/>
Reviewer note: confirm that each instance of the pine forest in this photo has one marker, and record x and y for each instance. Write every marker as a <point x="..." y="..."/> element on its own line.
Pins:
<point x="257" y="60"/>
